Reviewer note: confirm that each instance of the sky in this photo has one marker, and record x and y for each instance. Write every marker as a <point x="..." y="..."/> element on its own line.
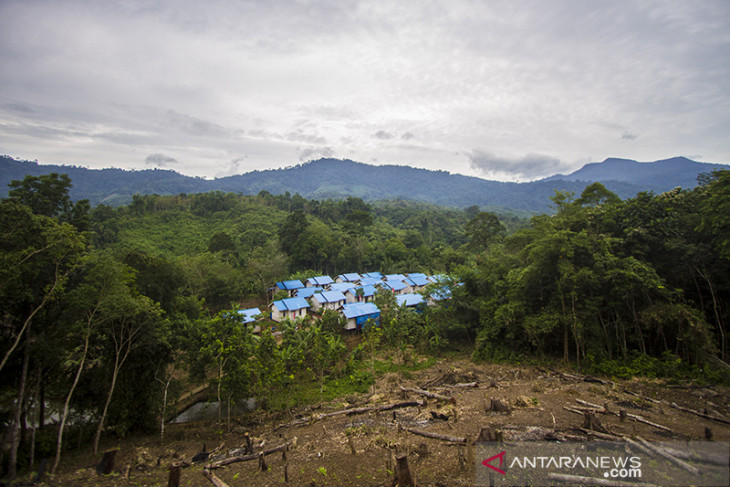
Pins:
<point x="508" y="90"/>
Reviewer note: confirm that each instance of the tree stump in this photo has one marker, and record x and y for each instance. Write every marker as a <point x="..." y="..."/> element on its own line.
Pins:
<point x="262" y="463"/>
<point x="497" y="405"/>
<point x="173" y="480"/>
<point x="403" y="476"/>
<point x="106" y="465"/>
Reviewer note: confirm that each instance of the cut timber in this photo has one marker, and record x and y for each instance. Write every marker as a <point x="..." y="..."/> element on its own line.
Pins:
<point x="664" y="453"/>
<point x="173" y="480"/>
<point x="462" y="385"/>
<point x="634" y="417"/>
<point x="497" y="405"/>
<point x="432" y="395"/>
<point x="253" y="456"/>
<point x="213" y="479"/>
<point x="579" y="479"/>
<point x="403" y="476"/>
<point x="360" y="410"/>
<point x="591" y="422"/>
<point x="699" y="413"/>
<point x="106" y="465"/>
<point x="486" y="433"/>
<point x="437" y="436"/>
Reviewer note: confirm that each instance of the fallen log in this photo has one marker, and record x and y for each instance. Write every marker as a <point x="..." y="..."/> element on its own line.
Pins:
<point x="603" y="436"/>
<point x="664" y="453"/>
<point x="580" y="479"/>
<point x="460" y="385"/>
<point x="699" y="413"/>
<point x="252" y="456"/>
<point x="431" y="395"/>
<point x="437" y="436"/>
<point x="350" y="411"/>
<point x="213" y="478"/>
<point x="634" y="417"/>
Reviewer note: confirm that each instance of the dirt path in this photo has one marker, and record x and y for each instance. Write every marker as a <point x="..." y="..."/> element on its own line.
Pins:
<point x="359" y="449"/>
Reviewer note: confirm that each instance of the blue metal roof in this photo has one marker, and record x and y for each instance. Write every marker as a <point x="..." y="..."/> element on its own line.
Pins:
<point x="396" y="285"/>
<point x="376" y="275"/>
<point x="290" y="304"/>
<point x="366" y="290"/>
<point x="290" y="285"/>
<point x="395" y="277"/>
<point x="351" y="277"/>
<point x="306" y="292"/>
<point x="320" y="280"/>
<point x="353" y="310"/>
<point x="410" y="299"/>
<point x="370" y="281"/>
<point x="416" y="274"/>
<point x="329" y="297"/>
<point x="249" y="315"/>
<point x="418" y="280"/>
<point x="342" y="286"/>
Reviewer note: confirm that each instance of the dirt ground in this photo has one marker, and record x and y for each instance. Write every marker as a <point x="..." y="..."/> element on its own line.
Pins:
<point x="359" y="449"/>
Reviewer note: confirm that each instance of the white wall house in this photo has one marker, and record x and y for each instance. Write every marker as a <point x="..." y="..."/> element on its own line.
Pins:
<point x="291" y="308"/>
<point x="327" y="300"/>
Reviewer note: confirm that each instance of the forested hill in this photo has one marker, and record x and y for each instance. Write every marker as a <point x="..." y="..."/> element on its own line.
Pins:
<point x="331" y="178"/>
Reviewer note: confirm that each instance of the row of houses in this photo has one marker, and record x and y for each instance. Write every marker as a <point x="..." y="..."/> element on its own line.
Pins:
<point x="350" y="294"/>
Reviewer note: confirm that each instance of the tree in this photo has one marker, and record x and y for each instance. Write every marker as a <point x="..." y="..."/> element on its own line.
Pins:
<point x="483" y="229"/>
<point x="227" y="344"/>
<point x="134" y="318"/>
<point x="92" y="303"/>
<point x="47" y="195"/>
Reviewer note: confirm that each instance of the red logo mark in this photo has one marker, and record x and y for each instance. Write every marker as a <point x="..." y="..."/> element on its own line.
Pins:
<point x="501" y="459"/>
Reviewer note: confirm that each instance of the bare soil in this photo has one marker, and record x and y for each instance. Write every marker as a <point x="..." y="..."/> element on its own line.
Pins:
<point x="323" y="452"/>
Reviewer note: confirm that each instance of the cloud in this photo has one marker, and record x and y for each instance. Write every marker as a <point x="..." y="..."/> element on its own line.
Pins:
<point x="18" y="107"/>
<point x="314" y="153"/>
<point x="383" y="135"/>
<point x="628" y="136"/>
<point x="407" y="136"/>
<point x="527" y="166"/>
<point x="160" y="160"/>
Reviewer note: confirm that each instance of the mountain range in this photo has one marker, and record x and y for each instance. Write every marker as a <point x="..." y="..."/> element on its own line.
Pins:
<point x="334" y="178"/>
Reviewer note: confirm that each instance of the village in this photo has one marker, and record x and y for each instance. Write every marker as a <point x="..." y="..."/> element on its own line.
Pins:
<point x="350" y="294"/>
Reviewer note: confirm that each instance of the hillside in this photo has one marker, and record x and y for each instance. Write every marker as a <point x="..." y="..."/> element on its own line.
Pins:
<point x="354" y="440"/>
<point x="336" y="179"/>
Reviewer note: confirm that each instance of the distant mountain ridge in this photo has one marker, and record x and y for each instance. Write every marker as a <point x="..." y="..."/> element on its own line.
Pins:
<point x="658" y="175"/>
<point x="333" y="178"/>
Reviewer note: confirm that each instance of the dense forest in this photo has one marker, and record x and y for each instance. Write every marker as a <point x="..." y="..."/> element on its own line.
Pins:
<point x="108" y="312"/>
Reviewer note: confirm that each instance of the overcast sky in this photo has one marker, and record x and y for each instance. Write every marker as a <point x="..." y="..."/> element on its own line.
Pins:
<point x="508" y="90"/>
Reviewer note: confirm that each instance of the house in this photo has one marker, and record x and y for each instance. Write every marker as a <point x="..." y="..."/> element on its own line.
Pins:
<point x="341" y="286"/>
<point x="290" y="308"/>
<point x="249" y="316"/>
<point x="375" y="275"/>
<point x="306" y="292"/>
<point x="351" y="277"/>
<point x="394" y="277"/>
<point x="360" y="294"/>
<point x="371" y="281"/>
<point x="438" y="293"/>
<point x="290" y="286"/>
<point x="319" y="281"/>
<point x="416" y="274"/>
<point x="327" y="300"/>
<point x="357" y="314"/>
<point x="417" y="282"/>
<point x="410" y="300"/>
<point x="397" y="287"/>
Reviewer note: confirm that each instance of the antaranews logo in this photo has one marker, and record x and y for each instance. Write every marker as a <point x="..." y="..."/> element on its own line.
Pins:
<point x="488" y="462"/>
<point x="594" y="462"/>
